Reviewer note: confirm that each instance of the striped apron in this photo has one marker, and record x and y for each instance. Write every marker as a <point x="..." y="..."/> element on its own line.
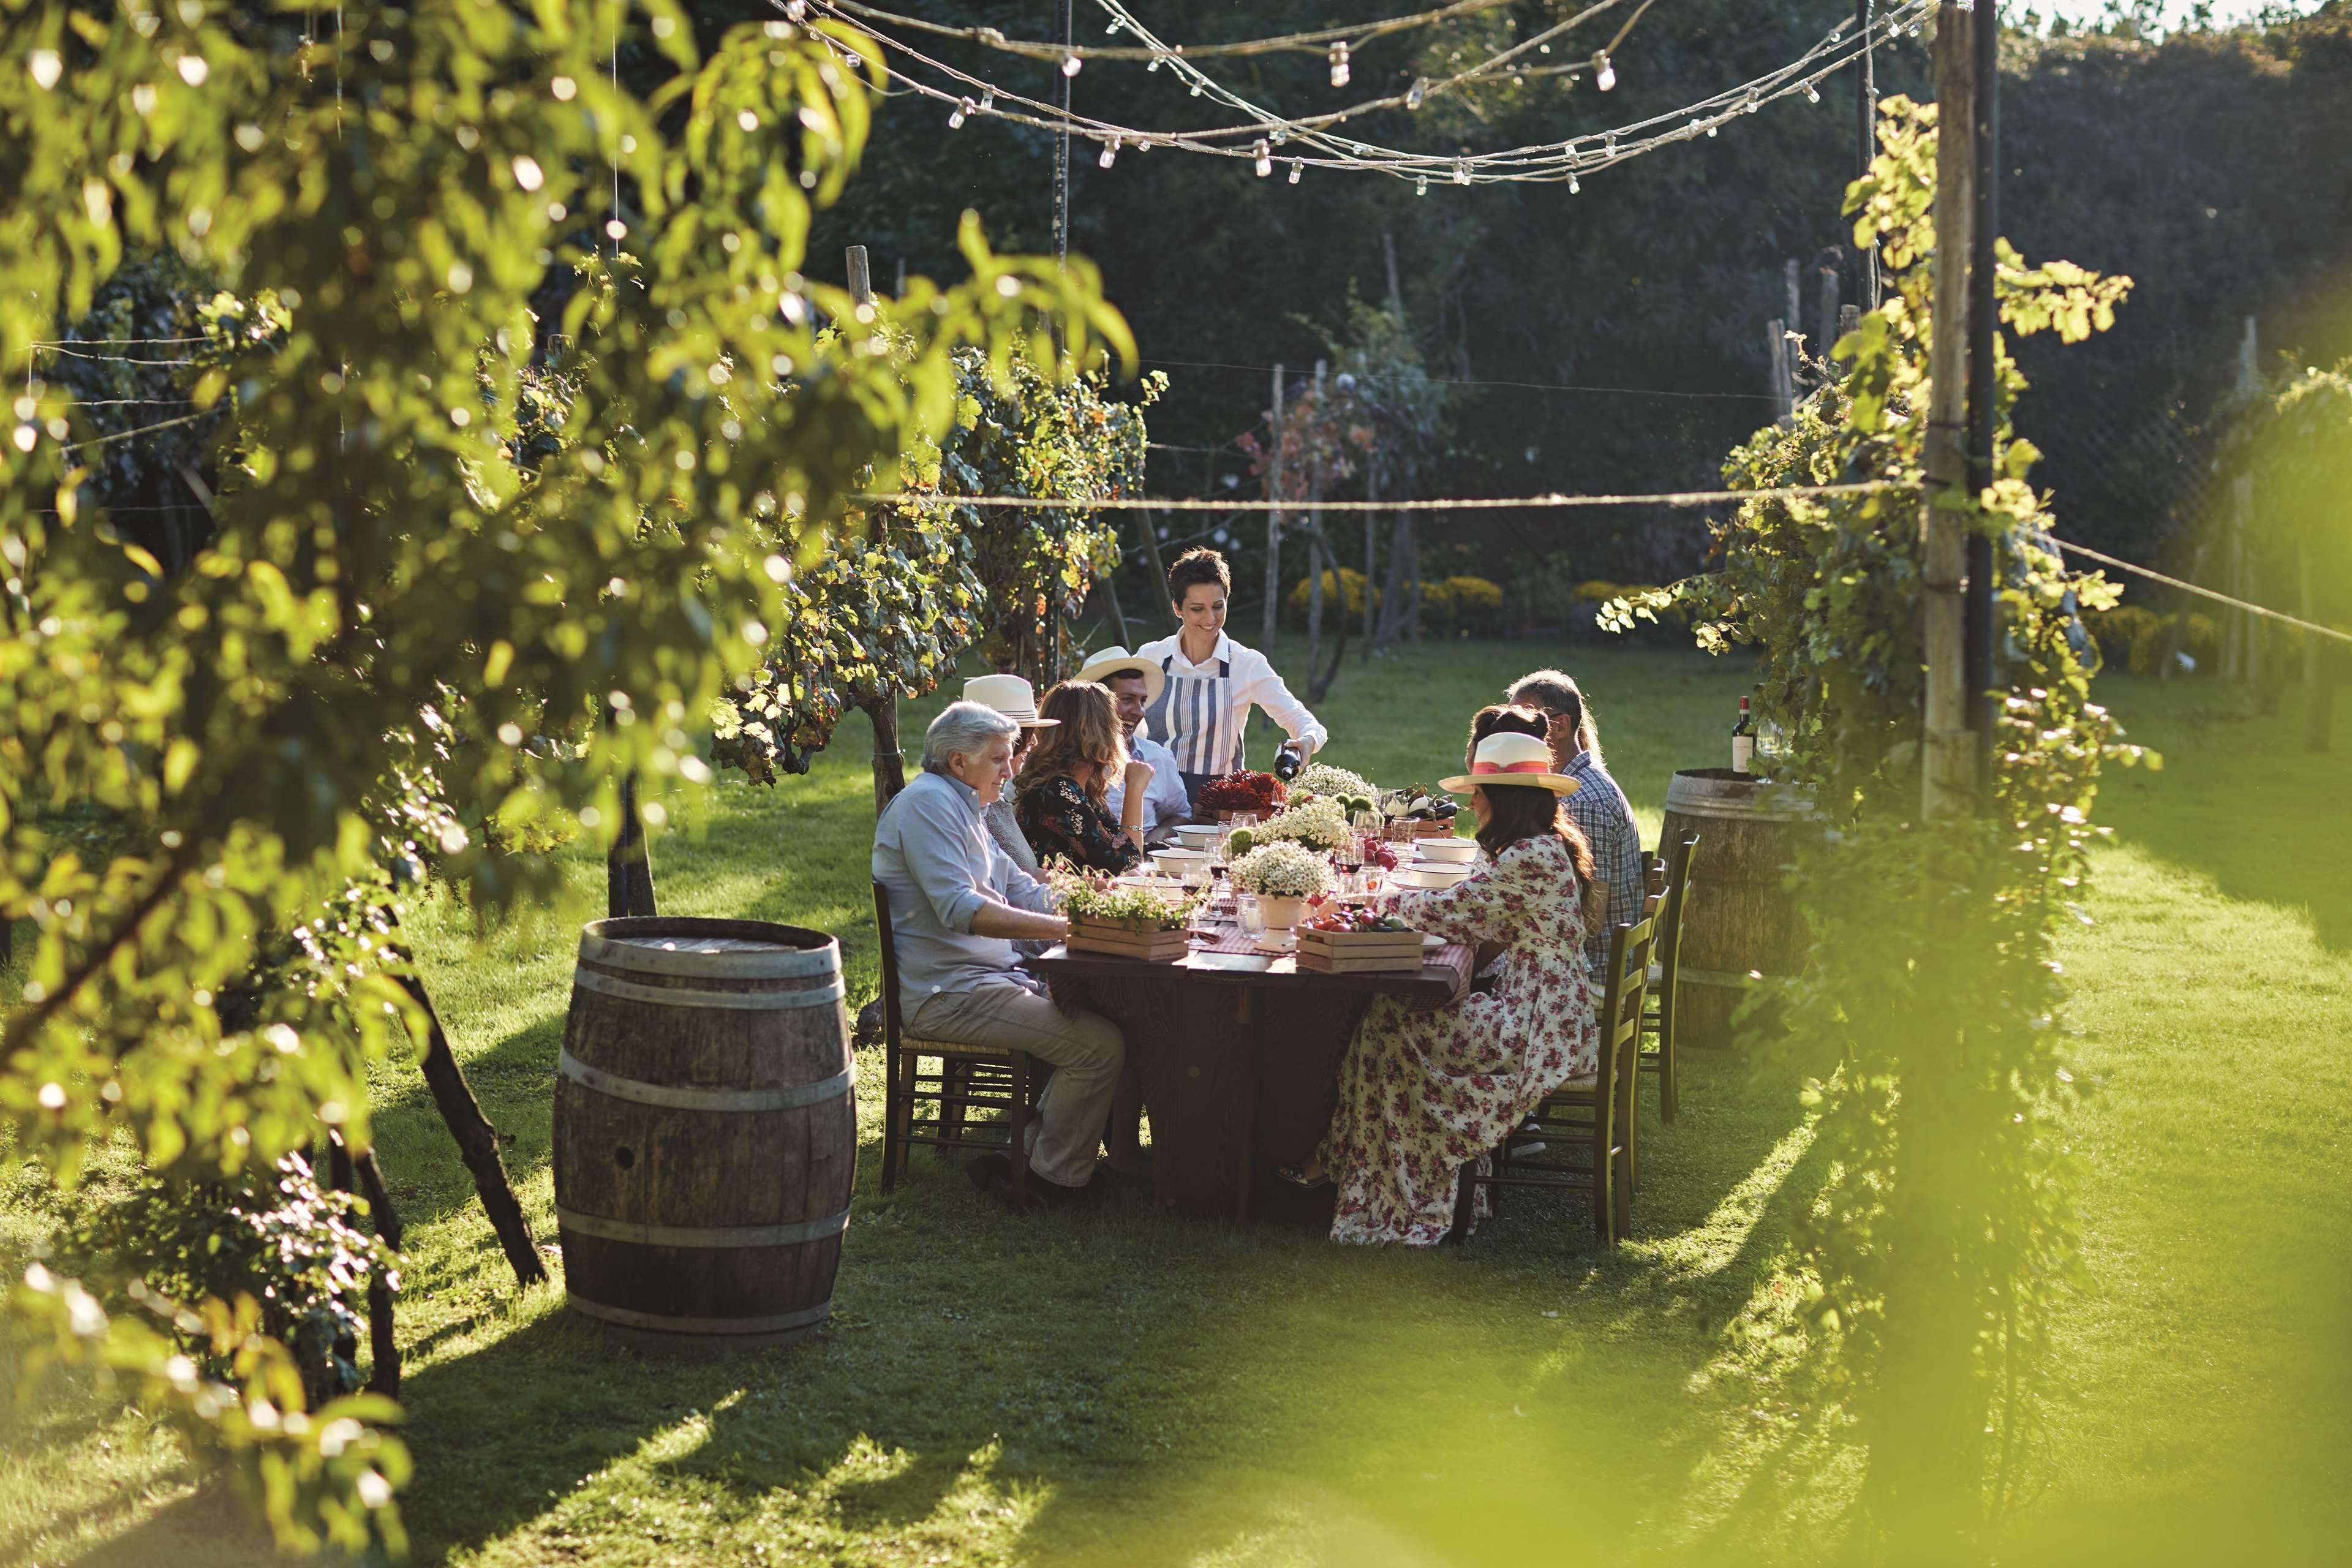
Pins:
<point x="1196" y="718"/>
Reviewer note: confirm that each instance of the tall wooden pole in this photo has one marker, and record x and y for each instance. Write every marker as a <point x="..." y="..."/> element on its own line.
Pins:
<point x="1316" y="551"/>
<point x="1865" y="104"/>
<point x="1983" y="321"/>
<point x="1274" y="520"/>
<point x="2317" y="700"/>
<point x="1371" y="546"/>
<point x="889" y="761"/>
<point x="1949" y="777"/>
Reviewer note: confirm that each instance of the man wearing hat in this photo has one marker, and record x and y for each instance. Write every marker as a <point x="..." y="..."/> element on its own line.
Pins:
<point x="1017" y="701"/>
<point x="1134" y="684"/>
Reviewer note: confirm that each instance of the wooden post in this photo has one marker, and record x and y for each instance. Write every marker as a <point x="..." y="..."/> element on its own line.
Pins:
<point x="1984" y="423"/>
<point x="1273" y="520"/>
<point x="1832" y="319"/>
<point x="1396" y="291"/>
<point x="2168" y="661"/>
<point x="1117" y="617"/>
<point x="1947" y="779"/>
<point x="1865" y="106"/>
<point x="2318" y="701"/>
<point x="882" y="712"/>
<point x="1793" y="301"/>
<point x="1776" y="335"/>
<point x="1316" y="549"/>
<point x="629" y="864"/>
<point x="2233" y="580"/>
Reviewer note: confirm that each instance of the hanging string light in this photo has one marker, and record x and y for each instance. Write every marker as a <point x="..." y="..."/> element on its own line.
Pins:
<point x="1606" y="77"/>
<point x="1418" y="91"/>
<point x="1338" y="63"/>
<point x="1262" y="160"/>
<point x="1109" y="154"/>
<point x="963" y="109"/>
<point x="1293" y="171"/>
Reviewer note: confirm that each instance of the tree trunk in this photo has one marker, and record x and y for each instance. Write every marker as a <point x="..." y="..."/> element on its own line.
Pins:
<point x="478" y="1140"/>
<point x="1151" y="552"/>
<point x="629" y="864"/>
<point x="1371" y="549"/>
<point x="889" y="763"/>
<point x="1319" y="686"/>
<point x="384" y="1344"/>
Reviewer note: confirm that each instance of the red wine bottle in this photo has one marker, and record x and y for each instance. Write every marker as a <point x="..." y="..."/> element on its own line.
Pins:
<point x="1743" y="743"/>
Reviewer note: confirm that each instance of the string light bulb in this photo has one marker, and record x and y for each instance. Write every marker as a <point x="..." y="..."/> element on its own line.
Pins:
<point x="1416" y="93"/>
<point x="1606" y="78"/>
<point x="987" y="100"/>
<point x="1340" y="64"/>
<point x="1293" y="171"/>
<point x="1812" y="93"/>
<point x="1572" y="186"/>
<point x="1262" y="160"/>
<point x="962" y="110"/>
<point x="1421" y="185"/>
<point x="1109" y="154"/>
<point x="1070" y="64"/>
<point x="1461" y="171"/>
<point x="1752" y="104"/>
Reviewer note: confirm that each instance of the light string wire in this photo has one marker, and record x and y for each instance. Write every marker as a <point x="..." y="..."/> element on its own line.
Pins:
<point x="1300" y="43"/>
<point x="1544" y="162"/>
<point x="2153" y="575"/>
<point x="1263" y="124"/>
<point x="1551" y="502"/>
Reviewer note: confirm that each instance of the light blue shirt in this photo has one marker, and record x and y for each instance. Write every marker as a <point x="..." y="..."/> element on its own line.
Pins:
<point x="1165" y="800"/>
<point x="936" y="858"/>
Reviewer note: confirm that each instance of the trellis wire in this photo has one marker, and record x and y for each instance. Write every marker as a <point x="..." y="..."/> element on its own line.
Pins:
<point x="2153" y="575"/>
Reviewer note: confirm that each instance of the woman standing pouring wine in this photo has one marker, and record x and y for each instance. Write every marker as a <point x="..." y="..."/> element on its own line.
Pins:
<point x="1213" y="681"/>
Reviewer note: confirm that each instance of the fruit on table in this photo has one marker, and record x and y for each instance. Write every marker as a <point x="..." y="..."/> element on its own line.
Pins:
<point x="1240" y="842"/>
<point x="1356" y="920"/>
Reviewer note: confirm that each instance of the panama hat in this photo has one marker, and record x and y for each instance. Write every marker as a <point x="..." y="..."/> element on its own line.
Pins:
<point x="1511" y="759"/>
<point x="1101" y="665"/>
<point x="1009" y="695"/>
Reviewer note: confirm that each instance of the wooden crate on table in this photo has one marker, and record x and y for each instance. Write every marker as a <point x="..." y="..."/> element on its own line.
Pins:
<point x="1128" y="940"/>
<point x="1434" y="829"/>
<point x="1359" y="952"/>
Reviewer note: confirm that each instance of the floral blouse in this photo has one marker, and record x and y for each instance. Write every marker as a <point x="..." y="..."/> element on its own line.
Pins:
<point x="1058" y="819"/>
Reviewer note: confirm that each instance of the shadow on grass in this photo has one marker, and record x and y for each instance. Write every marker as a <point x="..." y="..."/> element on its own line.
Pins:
<point x="1125" y="1386"/>
<point x="2241" y="801"/>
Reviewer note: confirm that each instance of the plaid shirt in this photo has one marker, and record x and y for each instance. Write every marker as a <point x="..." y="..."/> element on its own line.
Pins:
<point x="1600" y="809"/>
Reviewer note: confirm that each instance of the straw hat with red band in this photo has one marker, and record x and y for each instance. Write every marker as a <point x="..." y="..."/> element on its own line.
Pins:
<point x="1511" y="759"/>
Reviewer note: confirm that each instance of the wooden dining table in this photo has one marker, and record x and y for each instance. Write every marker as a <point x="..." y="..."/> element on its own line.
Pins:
<point x="1235" y="1053"/>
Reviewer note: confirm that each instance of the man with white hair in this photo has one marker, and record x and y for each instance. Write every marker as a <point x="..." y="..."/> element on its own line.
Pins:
<point x="957" y="906"/>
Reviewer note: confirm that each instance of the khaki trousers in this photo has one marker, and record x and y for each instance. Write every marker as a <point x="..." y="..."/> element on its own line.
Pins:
<point x="1086" y="1050"/>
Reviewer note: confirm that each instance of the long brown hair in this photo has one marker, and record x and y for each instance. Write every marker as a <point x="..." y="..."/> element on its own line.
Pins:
<point x="1518" y="811"/>
<point x="1088" y="733"/>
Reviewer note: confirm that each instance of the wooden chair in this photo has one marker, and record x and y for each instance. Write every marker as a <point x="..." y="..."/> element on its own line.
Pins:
<point x="1658" y="1019"/>
<point x="1590" y="1118"/>
<point x="1654" y="872"/>
<point x="968" y="1078"/>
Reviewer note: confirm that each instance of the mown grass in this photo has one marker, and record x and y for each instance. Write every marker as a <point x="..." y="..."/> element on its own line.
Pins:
<point x="1124" y="1387"/>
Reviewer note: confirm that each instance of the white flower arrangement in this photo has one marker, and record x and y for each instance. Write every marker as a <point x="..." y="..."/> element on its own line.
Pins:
<point x="1334" y="783"/>
<point x="1319" y="824"/>
<point x="1282" y="872"/>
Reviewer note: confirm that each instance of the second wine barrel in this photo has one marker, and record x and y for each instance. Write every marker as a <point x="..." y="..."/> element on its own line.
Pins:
<point x="1740" y="922"/>
<point x="705" y="1132"/>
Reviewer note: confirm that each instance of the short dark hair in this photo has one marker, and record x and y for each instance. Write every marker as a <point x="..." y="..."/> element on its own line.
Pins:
<point x="1556" y="692"/>
<point x="1125" y="672"/>
<point x="1195" y="566"/>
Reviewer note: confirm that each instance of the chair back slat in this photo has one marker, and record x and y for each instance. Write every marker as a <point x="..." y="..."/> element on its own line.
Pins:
<point x="1682" y="878"/>
<point x="887" y="943"/>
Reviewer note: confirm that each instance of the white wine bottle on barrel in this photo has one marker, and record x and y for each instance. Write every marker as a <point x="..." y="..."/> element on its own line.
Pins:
<point x="1743" y="743"/>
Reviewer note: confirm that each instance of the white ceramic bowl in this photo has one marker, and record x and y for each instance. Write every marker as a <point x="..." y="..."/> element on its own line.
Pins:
<point x="1176" y="862"/>
<point x="1427" y="879"/>
<point x="1449" y="851"/>
<point x="1199" y="835"/>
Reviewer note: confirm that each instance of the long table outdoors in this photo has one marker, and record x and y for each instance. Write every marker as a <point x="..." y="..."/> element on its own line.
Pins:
<point x="1237" y="1054"/>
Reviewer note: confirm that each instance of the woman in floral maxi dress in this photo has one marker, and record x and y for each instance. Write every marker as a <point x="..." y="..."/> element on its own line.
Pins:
<point x="1423" y="1093"/>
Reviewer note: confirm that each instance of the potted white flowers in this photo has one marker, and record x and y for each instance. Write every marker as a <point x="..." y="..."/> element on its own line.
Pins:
<point x="1319" y="824"/>
<point x="1332" y="784"/>
<point x="1284" y="876"/>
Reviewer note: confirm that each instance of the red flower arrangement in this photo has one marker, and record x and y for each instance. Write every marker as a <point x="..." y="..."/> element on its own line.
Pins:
<point x="1260" y="793"/>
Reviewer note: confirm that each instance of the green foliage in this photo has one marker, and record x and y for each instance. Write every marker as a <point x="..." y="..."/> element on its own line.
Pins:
<point x="1470" y="605"/>
<point x="1091" y="896"/>
<point x="274" y="1237"/>
<point x="435" y="563"/>
<point x="1948" y="1226"/>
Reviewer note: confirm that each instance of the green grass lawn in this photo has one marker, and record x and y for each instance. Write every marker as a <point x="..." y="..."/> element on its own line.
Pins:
<point x="1120" y="1386"/>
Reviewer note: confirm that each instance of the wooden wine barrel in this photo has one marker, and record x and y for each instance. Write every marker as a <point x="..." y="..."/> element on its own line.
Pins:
<point x="705" y="1132"/>
<point x="1739" y="919"/>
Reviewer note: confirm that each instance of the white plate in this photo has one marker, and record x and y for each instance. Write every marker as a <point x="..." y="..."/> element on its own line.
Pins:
<point x="1431" y="942"/>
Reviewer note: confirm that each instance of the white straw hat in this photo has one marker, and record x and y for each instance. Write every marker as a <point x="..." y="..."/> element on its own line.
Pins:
<point x="1509" y="758"/>
<point x="1009" y="695"/>
<point x="1112" y="659"/>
